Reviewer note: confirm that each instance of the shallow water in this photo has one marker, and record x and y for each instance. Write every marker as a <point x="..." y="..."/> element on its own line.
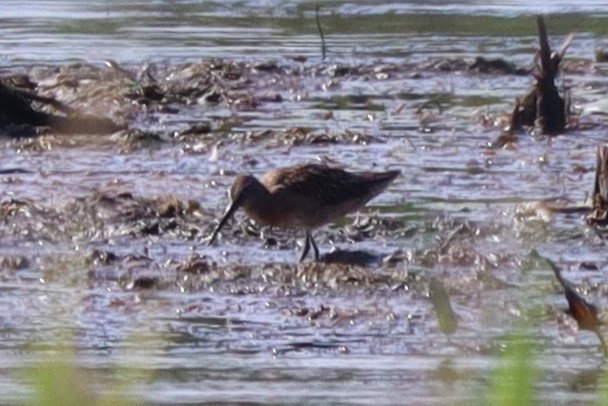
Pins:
<point x="107" y="270"/>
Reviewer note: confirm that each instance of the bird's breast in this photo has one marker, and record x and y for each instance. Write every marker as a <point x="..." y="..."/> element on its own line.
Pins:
<point x="271" y="215"/>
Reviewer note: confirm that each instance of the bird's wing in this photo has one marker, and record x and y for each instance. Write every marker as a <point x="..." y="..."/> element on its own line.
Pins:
<point x="325" y="185"/>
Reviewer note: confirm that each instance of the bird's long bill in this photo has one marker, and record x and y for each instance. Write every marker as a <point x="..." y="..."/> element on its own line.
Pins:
<point x="231" y="209"/>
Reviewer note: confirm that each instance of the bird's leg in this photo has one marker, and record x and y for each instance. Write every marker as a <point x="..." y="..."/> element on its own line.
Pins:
<point x="306" y="246"/>
<point x="314" y="246"/>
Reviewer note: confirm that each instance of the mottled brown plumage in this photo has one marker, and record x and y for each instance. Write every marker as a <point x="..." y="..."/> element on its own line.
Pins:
<point x="304" y="197"/>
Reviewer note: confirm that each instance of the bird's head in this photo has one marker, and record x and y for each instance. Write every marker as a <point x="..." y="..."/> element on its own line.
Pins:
<point x="241" y="192"/>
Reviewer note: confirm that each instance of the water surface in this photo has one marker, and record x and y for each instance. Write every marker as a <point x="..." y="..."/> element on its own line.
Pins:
<point x="257" y="327"/>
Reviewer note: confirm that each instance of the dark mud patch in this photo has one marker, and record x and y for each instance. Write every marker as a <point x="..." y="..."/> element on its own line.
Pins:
<point x="140" y="243"/>
<point x="100" y="217"/>
<point x="211" y="100"/>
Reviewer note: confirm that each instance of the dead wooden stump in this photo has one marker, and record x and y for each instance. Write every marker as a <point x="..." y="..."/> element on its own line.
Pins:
<point x="599" y="215"/>
<point x="542" y="105"/>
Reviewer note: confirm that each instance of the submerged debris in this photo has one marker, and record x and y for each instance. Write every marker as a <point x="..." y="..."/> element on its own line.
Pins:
<point x="358" y="257"/>
<point x="13" y="262"/>
<point x="196" y="264"/>
<point x="101" y="257"/>
<point x="496" y="66"/>
<point x="144" y="282"/>
<point x="16" y="109"/>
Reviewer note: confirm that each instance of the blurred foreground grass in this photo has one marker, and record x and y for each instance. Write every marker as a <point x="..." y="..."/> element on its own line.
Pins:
<point x="512" y="381"/>
<point x="58" y="381"/>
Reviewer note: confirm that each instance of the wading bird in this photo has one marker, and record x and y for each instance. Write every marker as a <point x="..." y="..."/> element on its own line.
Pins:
<point x="303" y="197"/>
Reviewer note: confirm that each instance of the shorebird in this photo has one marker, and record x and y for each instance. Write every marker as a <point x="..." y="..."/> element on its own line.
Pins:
<point x="303" y="197"/>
